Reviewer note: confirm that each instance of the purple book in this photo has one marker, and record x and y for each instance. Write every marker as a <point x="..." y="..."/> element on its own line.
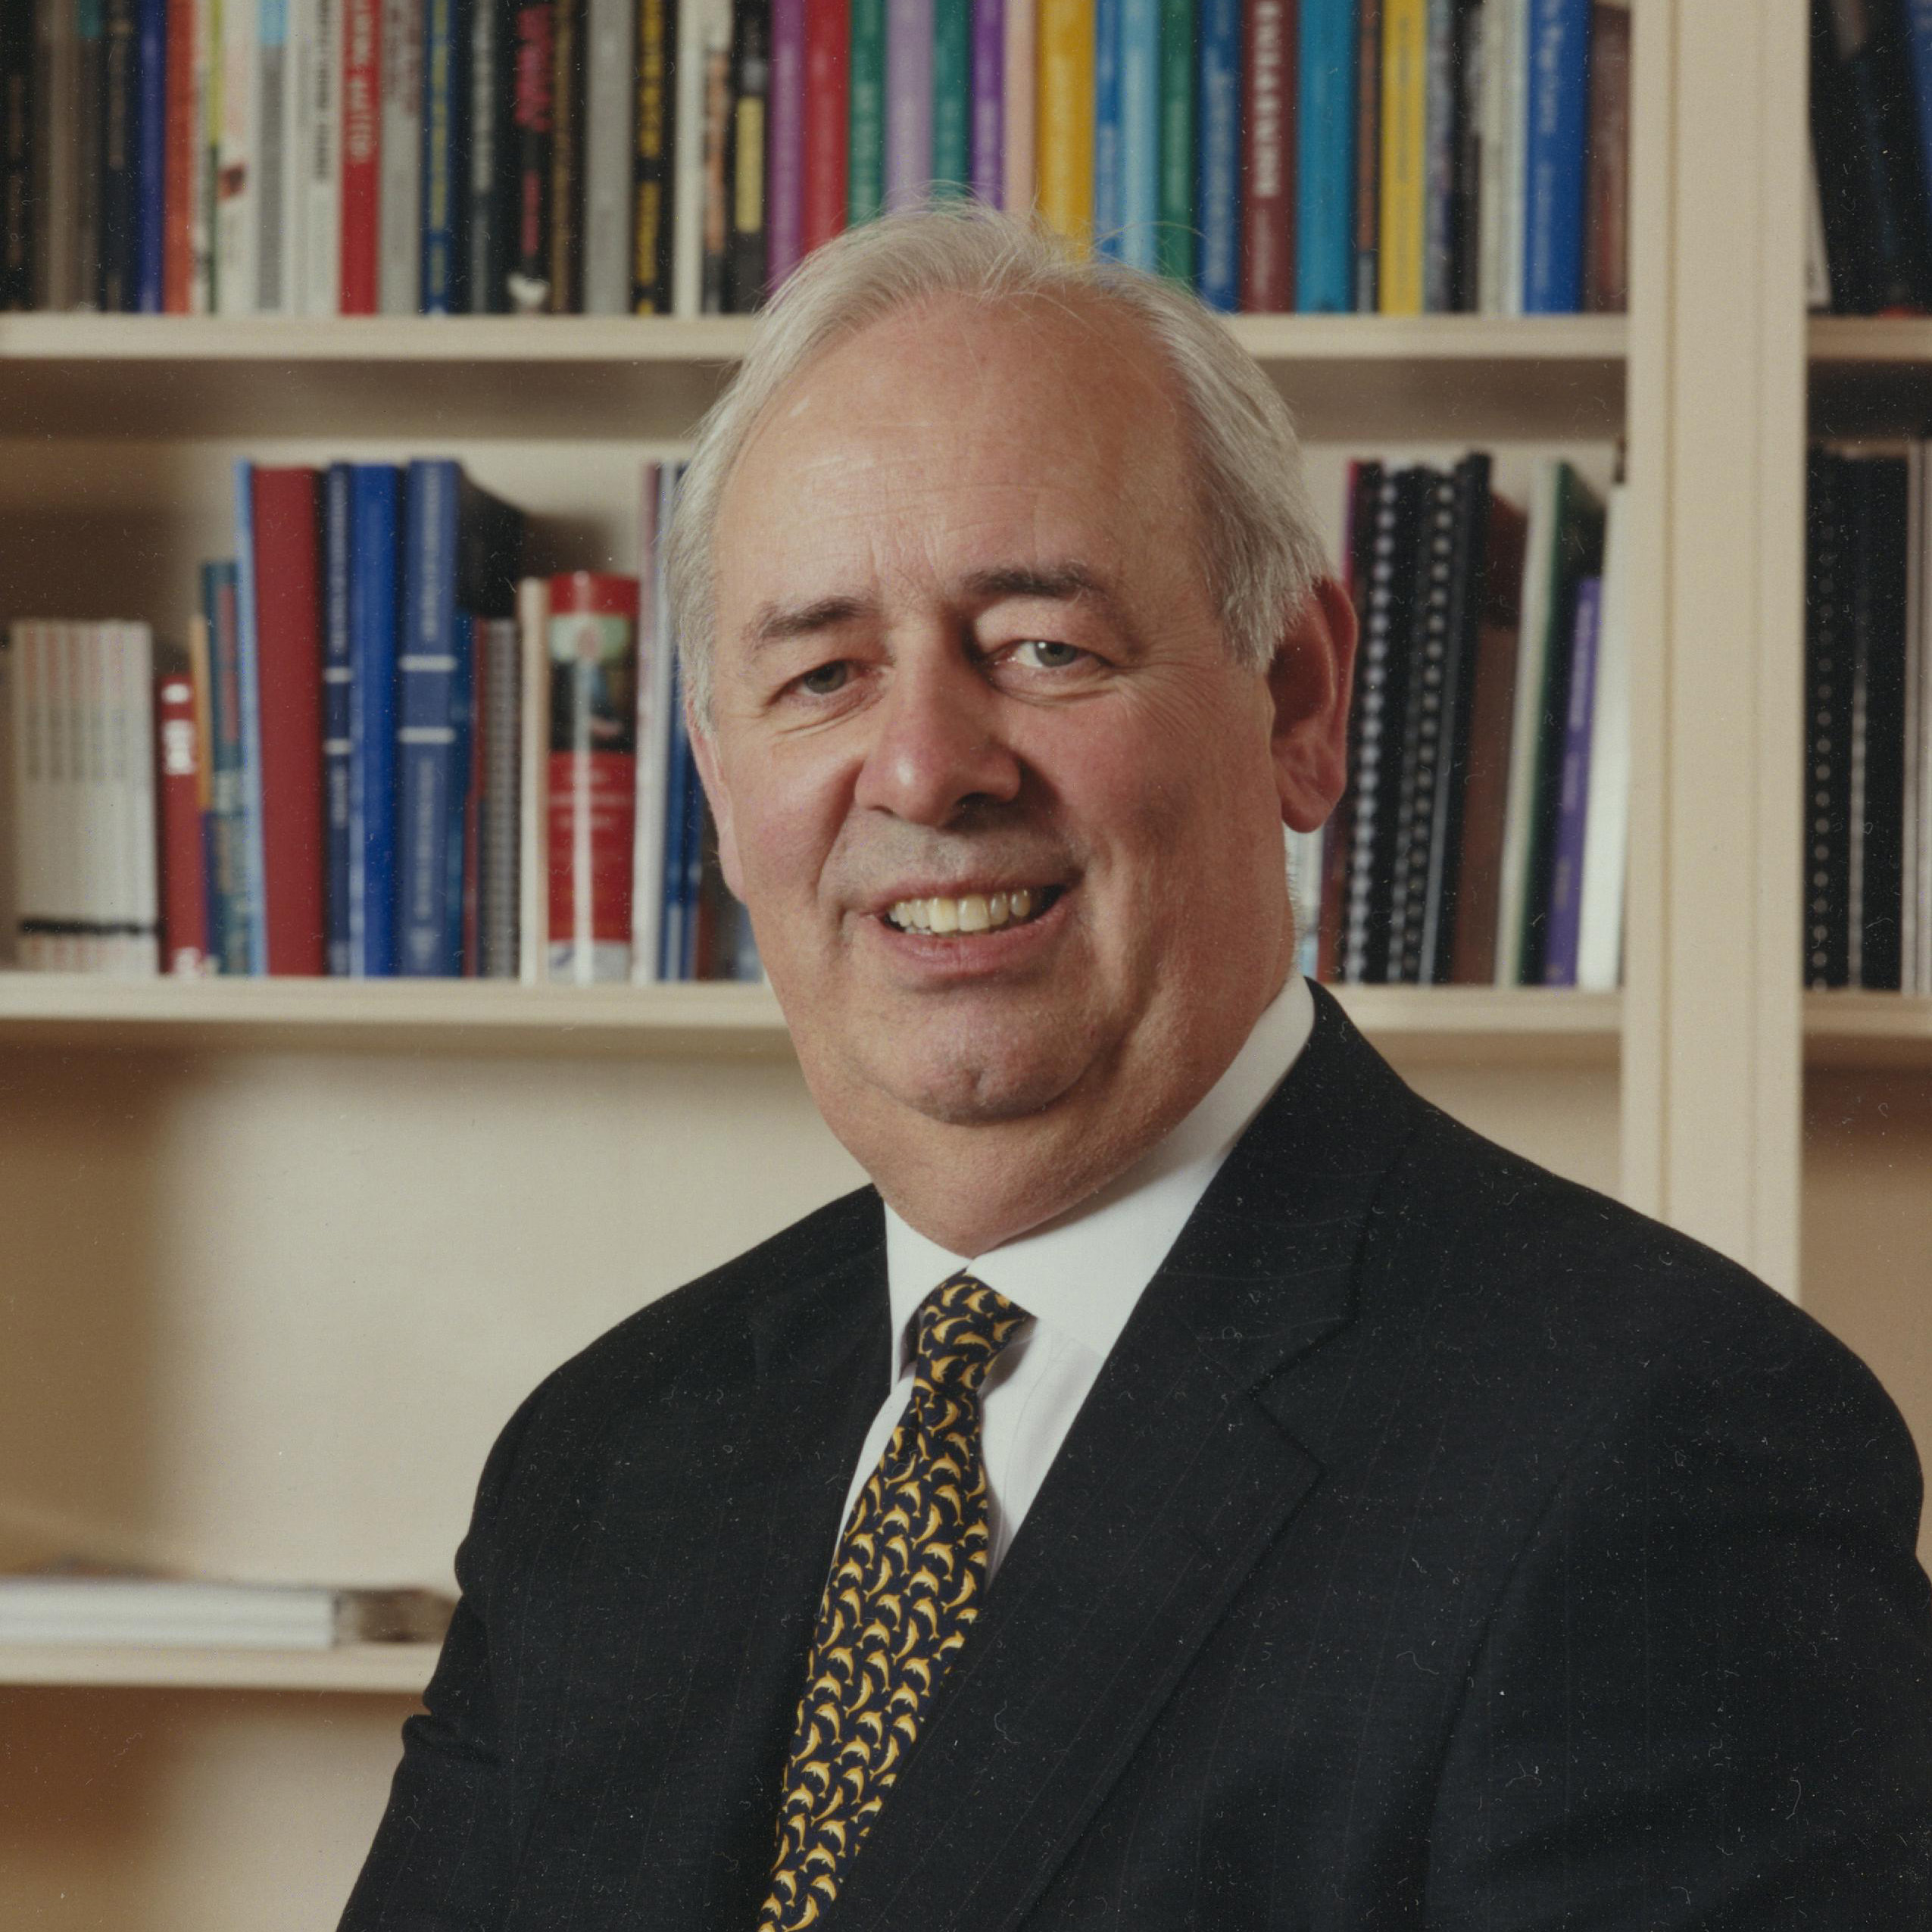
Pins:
<point x="1559" y="957"/>
<point x="989" y="95"/>
<point x="785" y="160"/>
<point x="908" y="102"/>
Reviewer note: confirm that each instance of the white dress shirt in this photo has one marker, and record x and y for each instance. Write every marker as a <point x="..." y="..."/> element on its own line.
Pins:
<point x="1078" y="1276"/>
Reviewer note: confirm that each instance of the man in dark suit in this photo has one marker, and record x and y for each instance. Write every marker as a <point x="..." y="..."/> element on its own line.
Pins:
<point x="1200" y="1484"/>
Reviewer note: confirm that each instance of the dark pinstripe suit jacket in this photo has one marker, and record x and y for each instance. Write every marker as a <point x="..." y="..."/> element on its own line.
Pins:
<point x="1443" y="1546"/>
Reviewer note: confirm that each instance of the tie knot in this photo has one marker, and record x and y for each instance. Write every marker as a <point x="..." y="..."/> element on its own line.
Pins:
<point x="962" y="1326"/>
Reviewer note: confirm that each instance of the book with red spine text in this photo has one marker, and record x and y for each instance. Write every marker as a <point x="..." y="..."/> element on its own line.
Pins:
<point x="362" y="157"/>
<point x="1271" y="39"/>
<point x="828" y="62"/>
<point x="287" y="682"/>
<point x="180" y="758"/>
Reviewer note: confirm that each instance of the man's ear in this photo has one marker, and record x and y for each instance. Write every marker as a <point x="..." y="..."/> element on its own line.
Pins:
<point x="706" y="752"/>
<point x="1311" y="680"/>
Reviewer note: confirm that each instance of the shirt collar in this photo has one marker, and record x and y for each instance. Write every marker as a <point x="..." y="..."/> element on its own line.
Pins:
<point x="1082" y="1272"/>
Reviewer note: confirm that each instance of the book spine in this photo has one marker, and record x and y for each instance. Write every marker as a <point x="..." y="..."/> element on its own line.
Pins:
<point x="1606" y="822"/>
<point x="253" y="887"/>
<point x="1828" y="682"/>
<point x="399" y="149"/>
<point x="1268" y="155"/>
<point x="140" y="780"/>
<point x="1175" y="251"/>
<point x="827" y="120"/>
<point x="1466" y="162"/>
<point x="657" y="497"/>
<point x="989" y="94"/>
<point x="1606" y="224"/>
<point x="866" y="145"/>
<point x="427" y="749"/>
<point x="338" y="716"/>
<point x="567" y="158"/>
<point x="785" y="197"/>
<point x="19" y="157"/>
<point x="714" y="272"/>
<point x="120" y="158"/>
<point x="952" y="97"/>
<point x="497" y="806"/>
<point x="1879" y="610"/>
<point x="56" y="157"/>
<point x="1064" y="129"/>
<point x="90" y="145"/>
<point x="1325" y="138"/>
<point x="151" y="156"/>
<point x="288" y="705"/>
<point x="687" y="150"/>
<point x="1139" y="134"/>
<point x="1494" y="188"/>
<point x="672" y="947"/>
<point x="531" y="124"/>
<point x="374" y="608"/>
<point x="1442" y="133"/>
<point x="908" y="100"/>
<point x="1018" y="104"/>
<point x="750" y="99"/>
<point x="533" y="780"/>
<point x="359" y="275"/>
<point x="610" y="143"/>
<point x="1558" y="130"/>
<point x="1564" y="926"/>
<point x="1514" y="119"/>
<point x="1367" y="197"/>
<point x="204" y="191"/>
<point x="277" y="242"/>
<point x="228" y="924"/>
<point x="653" y="219"/>
<point x="1404" y="184"/>
<point x="182" y="156"/>
<point x="1106" y="127"/>
<point x="487" y="208"/>
<point x="181" y="753"/>
<point x="442" y="286"/>
<point x="1218" y="191"/>
<point x="318" y="274"/>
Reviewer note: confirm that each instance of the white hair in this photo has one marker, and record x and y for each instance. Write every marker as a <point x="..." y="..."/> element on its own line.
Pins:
<point x="1261" y="553"/>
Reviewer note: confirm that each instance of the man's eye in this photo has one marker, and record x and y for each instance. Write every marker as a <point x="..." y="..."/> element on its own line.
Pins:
<point x="1041" y="654"/>
<point x="822" y="681"/>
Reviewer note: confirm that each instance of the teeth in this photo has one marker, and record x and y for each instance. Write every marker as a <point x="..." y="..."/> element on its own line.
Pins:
<point x="975" y="912"/>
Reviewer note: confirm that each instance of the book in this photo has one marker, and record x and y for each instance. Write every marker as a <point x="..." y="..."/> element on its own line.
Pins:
<point x="1829" y="648"/>
<point x="358" y="276"/>
<point x="181" y="168"/>
<point x="1325" y="160"/>
<point x="952" y="97"/>
<point x="399" y="218"/>
<point x="90" y="140"/>
<point x="130" y="649"/>
<point x="744" y="164"/>
<point x="609" y="149"/>
<point x="1175" y="244"/>
<point x="990" y="30"/>
<point x="1565" y="918"/>
<point x="1556" y="122"/>
<point x="908" y="102"/>
<point x="181" y="763"/>
<point x="489" y="195"/>
<point x="785" y="197"/>
<point x="866" y="126"/>
<point x="534" y="60"/>
<point x="317" y="275"/>
<point x="1446" y="187"/>
<point x="1367" y="198"/>
<point x="655" y="699"/>
<point x="653" y="215"/>
<point x="1401" y="234"/>
<point x="231" y="919"/>
<point x="374" y="610"/>
<point x="715" y="224"/>
<point x="1499" y="199"/>
<point x="150" y="146"/>
<point x="56" y="160"/>
<point x="1106" y="127"/>
<point x="1606" y="832"/>
<point x="533" y="780"/>
<point x="120" y="135"/>
<point x="1064" y="107"/>
<point x="826" y="114"/>
<point x="1218" y="154"/>
<point x="1606" y="225"/>
<point x="687" y="146"/>
<point x="338" y="716"/>
<point x="1268" y="155"/>
<point x="495" y="651"/>
<point x="1879" y="505"/>
<point x="442" y="284"/>
<point x="277" y="153"/>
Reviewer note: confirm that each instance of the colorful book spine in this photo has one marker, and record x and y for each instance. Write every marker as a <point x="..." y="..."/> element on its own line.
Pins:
<point x="180" y="168"/>
<point x="277" y="149"/>
<point x="1269" y="157"/>
<point x="656" y="499"/>
<point x="442" y="285"/>
<point x="362" y="135"/>
<point x="530" y="134"/>
<point x="1019" y="105"/>
<point x="1367" y="195"/>
<point x="653" y="212"/>
<point x="399" y="220"/>
<point x="714" y="275"/>
<point x="1218" y="192"/>
<point x="1325" y="134"/>
<point x="1564" y="925"/>
<point x="1606" y="825"/>
<point x="230" y="923"/>
<point x="1441" y="217"/>
<point x="952" y="97"/>
<point x="908" y="102"/>
<point x="1606" y="222"/>
<point x="1174" y="251"/>
<point x="1065" y="108"/>
<point x="204" y="191"/>
<point x="610" y="143"/>
<point x="566" y="156"/>
<point x="747" y="266"/>
<point x="317" y="276"/>
<point x="337" y="715"/>
<point x="784" y="196"/>
<point x="1106" y="127"/>
<point x="375" y="491"/>
<point x="989" y="92"/>
<point x="180" y="754"/>
<point x="1405" y="157"/>
<point x="254" y="890"/>
<point x="866" y="143"/>
<point x="826" y="121"/>
<point x="151" y="164"/>
<point x="489" y="207"/>
<point x="1557" y="126"/>
<point x="1139" y="134"/>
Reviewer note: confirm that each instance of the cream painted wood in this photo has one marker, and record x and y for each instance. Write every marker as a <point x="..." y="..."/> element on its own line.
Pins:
<point x="393" y="1669"/>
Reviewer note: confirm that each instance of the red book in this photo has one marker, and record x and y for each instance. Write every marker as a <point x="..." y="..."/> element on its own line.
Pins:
<point x="288" y="671"/>
<point x="828" y="54"/>
<point x="1270" y="29"/>
<point x="182" y="153"/>
<point x="180" y="760"/>
<point x="362" y="154"/>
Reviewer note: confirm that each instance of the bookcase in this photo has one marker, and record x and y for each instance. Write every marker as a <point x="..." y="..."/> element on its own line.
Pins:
<point x="283" y="1256"/>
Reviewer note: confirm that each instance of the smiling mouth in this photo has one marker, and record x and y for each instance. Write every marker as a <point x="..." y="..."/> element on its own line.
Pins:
<point x="975" y="912"/>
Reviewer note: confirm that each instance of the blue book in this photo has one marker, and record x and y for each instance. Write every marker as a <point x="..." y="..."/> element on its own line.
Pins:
<point x="337" y="707"/>
<point x="1559" y="123"/>
<point x="150" y="151"/>
<point x="1325" y="214"/>
<point x="252" y="910"/>
<point x="228" y="928"/>
<point x="1140" y="134"/>
<point x="460" y="557"/>
<point x="375" y="494"/>
<point x="1565" y="927"/>
<point x="446" y="34"/>
<point x="1218" y="189"/>
<point x="1106" y="127"/>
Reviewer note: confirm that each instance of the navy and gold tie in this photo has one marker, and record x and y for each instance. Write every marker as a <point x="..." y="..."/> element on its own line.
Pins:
<point x="905" y="1586"/>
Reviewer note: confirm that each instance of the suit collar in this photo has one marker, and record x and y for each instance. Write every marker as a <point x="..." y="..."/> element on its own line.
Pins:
<point x="1175" y="1479"/>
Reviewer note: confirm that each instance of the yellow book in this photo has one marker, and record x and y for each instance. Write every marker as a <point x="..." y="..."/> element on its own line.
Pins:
<point x="1405" y="155"/>
<point x="1064" y="135"/>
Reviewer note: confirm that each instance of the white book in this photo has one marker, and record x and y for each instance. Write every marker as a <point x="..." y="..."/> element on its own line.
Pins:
<point x="533" y="788"/>
<point x="656" y="694"/>
<point x="236" y="220"/>
<point x="319" y="280"/>
<point x="1492" y="196"/>
<point x="610" y="144"/>
<point x="36" y="1609"/>
<point x="1515" y="151"/>
<point x="278" y="112"/>
<point x="139" y="781"/>
<point x="27" y="777"/>
<point x="207" y="135"/>
<point x="1606" y="822"/>
<point x="400" y="218"/>
<point x="688" y="173"/>
<point x="1532" y="677"/>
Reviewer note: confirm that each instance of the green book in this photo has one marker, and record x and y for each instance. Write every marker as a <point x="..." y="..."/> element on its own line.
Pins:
<point x="952" y="96"/>
<point x="1174" y="249"/>
<point x="865" y="160"/>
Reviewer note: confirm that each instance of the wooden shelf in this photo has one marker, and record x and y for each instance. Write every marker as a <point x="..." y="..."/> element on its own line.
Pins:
<point x="393" y="1669"/>
<point x="70" y="1010"/>
<point x="1852" y="1029"/>
<point x="1431" y="378"/>
<point x="1871" y="375"/>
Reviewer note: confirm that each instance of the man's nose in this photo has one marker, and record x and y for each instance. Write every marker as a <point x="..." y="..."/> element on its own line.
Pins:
<point x="937" y="744"/>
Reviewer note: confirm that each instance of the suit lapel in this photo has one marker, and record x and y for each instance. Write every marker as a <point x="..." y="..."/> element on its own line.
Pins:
<point x="1173" y="1481"/>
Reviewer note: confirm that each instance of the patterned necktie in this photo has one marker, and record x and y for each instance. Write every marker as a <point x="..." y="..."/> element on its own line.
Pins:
<point x="905" y="1586"/>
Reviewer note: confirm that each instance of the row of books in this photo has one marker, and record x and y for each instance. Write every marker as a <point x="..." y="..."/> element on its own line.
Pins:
<point x="382" y="751"/>
<point x="659" y="157"/>
<point x="1871" y="230"/>
<point x="1867" y="861"/>
<point x="1483" y="837"/>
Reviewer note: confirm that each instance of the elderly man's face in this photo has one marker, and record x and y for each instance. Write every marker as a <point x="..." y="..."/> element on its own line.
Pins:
<point x="1007" y="815"/>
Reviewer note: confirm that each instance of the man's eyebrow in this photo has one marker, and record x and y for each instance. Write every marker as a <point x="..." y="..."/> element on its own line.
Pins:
<point x="775" y="623"/>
